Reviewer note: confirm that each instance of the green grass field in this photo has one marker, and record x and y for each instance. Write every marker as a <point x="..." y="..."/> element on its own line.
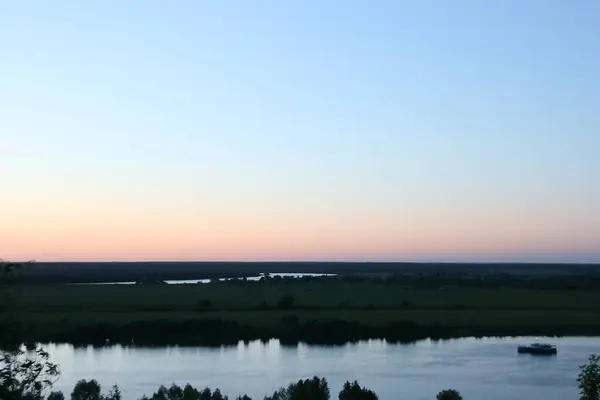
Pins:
<point x="311" y="294"/>
<point x="266" y="319"/>
<point x="255" y="304"/>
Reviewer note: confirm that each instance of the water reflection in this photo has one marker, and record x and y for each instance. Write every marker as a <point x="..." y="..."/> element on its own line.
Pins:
<point x="479" y="368"/>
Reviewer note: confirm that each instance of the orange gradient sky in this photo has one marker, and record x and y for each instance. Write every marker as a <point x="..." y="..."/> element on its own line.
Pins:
<point x="122" y="228"/>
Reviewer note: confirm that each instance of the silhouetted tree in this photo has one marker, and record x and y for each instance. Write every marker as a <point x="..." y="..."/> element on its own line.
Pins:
<point x="25" y="375"/>
<point x="91" y="390"/>
<point x="448" y="394"/>
<point x="206" y="394"/>
<point x="216" y="395"/>
<point x="175" y="392"/>
<point x="161" y="394"/>
<point x="589" y="379"/>
<point x="307" y="389"/>
<point x="25" y="372"/>
<point x="113" y="394"/>
<point x="353" y="391"/>
<point x="286" y="302"/>
<point x="56" y="396"/>
<point x="86" y="390"/>
<point x="190" y="393"/>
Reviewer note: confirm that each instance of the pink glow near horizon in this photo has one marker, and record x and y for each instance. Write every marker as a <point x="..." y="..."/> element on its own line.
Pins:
<point x="71" y="234"/>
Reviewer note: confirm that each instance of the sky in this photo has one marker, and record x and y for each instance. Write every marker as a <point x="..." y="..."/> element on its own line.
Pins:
<point x="300" y="130"/>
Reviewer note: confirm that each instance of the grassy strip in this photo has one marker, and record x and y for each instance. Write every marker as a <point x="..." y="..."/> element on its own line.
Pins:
<point x="253" y="295"/>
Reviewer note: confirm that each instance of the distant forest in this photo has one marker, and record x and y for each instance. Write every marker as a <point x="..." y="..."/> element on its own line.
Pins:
<point x="97" y="272"/>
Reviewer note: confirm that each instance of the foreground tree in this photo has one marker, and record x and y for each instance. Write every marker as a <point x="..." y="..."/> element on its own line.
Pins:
<point x="589" y="379"/>
<point x="353" y="391"/>
<point x="91" y="390"/>
<point x="190" y="393"/>
<point x="175" y="392"/>
<point x="113" y="394"/>
<point x="56" y="396"/>
<point x="449" y="394"/>
<point x="25" y="372"/>
<point x="305" y="389"/>
<point x="86" y="390"/>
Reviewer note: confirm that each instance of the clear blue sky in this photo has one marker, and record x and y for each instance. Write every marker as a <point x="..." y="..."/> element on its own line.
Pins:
<point x="300" y="130"/>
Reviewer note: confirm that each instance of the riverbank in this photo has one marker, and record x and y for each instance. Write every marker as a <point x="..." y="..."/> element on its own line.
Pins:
<point x="217" y="332"/>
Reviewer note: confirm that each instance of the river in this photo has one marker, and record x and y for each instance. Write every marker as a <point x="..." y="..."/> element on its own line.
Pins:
<point x="488" y="368"/>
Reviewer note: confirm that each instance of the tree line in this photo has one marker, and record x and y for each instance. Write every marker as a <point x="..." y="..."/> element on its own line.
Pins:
<point x="417" y="275"/>
<point x="315" y="388"/>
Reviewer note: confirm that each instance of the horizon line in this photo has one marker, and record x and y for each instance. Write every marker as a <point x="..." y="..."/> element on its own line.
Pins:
<point x="313" y="262"/>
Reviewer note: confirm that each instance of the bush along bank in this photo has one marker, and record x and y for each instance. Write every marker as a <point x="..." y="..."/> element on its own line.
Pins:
<point x="216" y="331"/>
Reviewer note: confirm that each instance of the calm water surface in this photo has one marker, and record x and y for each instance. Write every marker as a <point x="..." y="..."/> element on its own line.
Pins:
<point x="487" y="369"/>
<point x="193" y="281"/>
